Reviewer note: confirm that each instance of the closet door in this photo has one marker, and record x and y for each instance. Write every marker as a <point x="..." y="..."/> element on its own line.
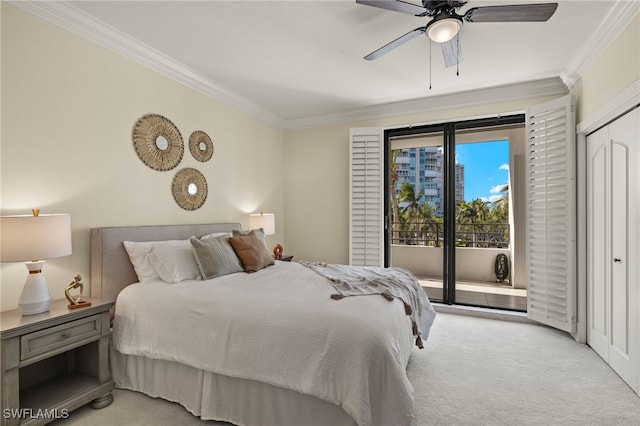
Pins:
<point x="613" y="296"/>
<point x="598" y="245"/>
<point x="624" y="347"/>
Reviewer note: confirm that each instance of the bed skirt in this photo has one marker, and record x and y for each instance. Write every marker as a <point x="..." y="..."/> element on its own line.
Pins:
<point x="212" y="396"/>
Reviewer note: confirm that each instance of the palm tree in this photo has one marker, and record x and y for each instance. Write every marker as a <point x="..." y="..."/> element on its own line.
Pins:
<point x="393" y="177"/>
<point x="411" y="200"/>
<point x="472" y="213"/>
<point x="429" y="224"/>
<point x="475" y="211"/>
<point x="410" y="213"/>
<point x="499" y="213"/>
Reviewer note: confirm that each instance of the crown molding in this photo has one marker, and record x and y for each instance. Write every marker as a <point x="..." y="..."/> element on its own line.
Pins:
<point x="553" y="86"/>
<point x="69" y="17"/>
<point x="616" y="20"/>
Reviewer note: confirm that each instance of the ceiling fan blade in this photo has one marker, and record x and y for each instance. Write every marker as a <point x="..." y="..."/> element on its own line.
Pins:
<point x="396" y="6"/>
<point x="512" y="13"/>
<point x="452" y="52"/>
<point x="395" y="43"/>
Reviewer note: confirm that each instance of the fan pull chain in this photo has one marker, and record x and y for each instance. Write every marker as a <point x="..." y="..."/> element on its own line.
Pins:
<point x="458" y="54"/>
<point x="430" y="43"/>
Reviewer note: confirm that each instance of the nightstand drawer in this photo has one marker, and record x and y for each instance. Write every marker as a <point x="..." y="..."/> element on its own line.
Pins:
<point x="60" y="336"/>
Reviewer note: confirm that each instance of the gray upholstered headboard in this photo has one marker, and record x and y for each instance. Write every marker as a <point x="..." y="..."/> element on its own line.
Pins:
<point x="111" y="269"/>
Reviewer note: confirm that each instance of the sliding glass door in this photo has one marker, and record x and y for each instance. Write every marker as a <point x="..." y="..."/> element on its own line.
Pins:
<point x="415" y="204"/>
<point x="450" y="203"/>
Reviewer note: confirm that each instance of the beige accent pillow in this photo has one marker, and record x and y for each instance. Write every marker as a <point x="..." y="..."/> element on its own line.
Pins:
<point x="259" y="232"/>
<point x="251" y="251"/>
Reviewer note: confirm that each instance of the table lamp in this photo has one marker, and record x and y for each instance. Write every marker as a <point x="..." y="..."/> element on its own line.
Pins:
<point x="31" y="239"/>
<point x="266" y="221"/>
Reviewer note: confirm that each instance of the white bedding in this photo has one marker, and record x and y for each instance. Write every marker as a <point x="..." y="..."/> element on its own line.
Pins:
<point x="279" y="326"/>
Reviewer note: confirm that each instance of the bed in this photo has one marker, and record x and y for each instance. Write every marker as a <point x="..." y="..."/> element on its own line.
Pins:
<point x="270" y="347"/>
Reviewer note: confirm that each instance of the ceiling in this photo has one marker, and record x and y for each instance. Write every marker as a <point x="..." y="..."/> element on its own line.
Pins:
<point x="301" y="62"/>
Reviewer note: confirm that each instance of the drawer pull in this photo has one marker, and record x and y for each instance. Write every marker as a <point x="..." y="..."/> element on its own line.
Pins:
<point x="65" y="334"/>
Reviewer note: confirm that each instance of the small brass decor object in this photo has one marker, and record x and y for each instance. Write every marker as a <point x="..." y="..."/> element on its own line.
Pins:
<point x="76" y="301"/>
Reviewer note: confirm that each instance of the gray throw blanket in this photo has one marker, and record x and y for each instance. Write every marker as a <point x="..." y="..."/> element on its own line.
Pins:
<point x="391" y="283"/>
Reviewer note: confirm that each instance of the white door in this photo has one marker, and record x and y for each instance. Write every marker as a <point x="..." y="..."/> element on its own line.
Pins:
<point x="613" y="197"/>
<point x="598" y="183"/>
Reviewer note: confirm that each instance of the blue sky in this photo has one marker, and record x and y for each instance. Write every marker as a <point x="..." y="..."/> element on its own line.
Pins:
<point x="486" y="168"/>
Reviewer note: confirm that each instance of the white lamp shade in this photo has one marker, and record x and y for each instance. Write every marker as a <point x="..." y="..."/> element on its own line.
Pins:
<point x="266" y="221"/>
<point x="25" y="238"/>
<point x="442" y="30"/>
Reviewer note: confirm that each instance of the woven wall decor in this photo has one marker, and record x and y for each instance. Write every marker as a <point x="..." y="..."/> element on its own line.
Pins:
<point x="200" y="146"/>
<point x="157" y="142"/>
<point x="189" y="188"/>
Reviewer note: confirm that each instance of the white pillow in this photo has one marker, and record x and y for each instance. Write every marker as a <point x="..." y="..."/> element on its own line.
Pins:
<point x="174" y="261"/>
<point x="138" y="254"/>
<point x="215" y="235"/>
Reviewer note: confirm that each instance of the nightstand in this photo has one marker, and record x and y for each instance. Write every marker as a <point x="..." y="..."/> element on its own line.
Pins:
<point x="54" y="362"/>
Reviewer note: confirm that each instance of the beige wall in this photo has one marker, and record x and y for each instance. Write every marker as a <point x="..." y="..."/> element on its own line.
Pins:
<point x="612" y="72"/>
<point x="68" y="107"/>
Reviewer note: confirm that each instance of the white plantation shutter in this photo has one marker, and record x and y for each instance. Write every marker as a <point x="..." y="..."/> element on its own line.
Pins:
<point x="551" y="224"/>
<point x="366" y="197"/>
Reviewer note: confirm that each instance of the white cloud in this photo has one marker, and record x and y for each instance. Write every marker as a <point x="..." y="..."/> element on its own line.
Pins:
<point x="504" y="167"/>
<point x="497" y="189"/>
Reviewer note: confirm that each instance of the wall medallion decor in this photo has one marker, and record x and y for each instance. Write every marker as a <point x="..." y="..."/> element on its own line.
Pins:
<point x="189" y="188"/>
<point x="157" y="142"/>
<point x="200" y="146"/>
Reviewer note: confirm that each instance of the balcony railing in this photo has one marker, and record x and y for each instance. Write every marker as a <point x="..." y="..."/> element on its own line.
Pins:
<point x="431" y="234"/>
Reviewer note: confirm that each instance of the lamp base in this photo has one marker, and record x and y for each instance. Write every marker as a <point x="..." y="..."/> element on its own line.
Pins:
<point x="35" y="297"/>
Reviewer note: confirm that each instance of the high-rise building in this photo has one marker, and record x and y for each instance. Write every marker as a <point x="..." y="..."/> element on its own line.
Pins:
<point x="423" y="168"/>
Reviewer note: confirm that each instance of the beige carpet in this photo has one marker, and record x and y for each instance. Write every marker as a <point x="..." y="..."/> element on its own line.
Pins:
<point x="473" y="371"/>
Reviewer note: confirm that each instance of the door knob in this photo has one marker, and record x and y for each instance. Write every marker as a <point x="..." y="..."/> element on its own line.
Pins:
<point x="615" y="259"/>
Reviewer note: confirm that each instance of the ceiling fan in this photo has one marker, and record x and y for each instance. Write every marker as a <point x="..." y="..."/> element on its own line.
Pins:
<point x="446" y="22"/>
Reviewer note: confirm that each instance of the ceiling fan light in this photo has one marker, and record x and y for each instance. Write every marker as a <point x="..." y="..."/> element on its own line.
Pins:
<point x="443" y="29"/>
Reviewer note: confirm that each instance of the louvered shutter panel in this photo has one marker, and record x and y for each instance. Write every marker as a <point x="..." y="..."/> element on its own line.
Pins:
<point x="366" y="197"/>
<point x="551" y="224"/>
